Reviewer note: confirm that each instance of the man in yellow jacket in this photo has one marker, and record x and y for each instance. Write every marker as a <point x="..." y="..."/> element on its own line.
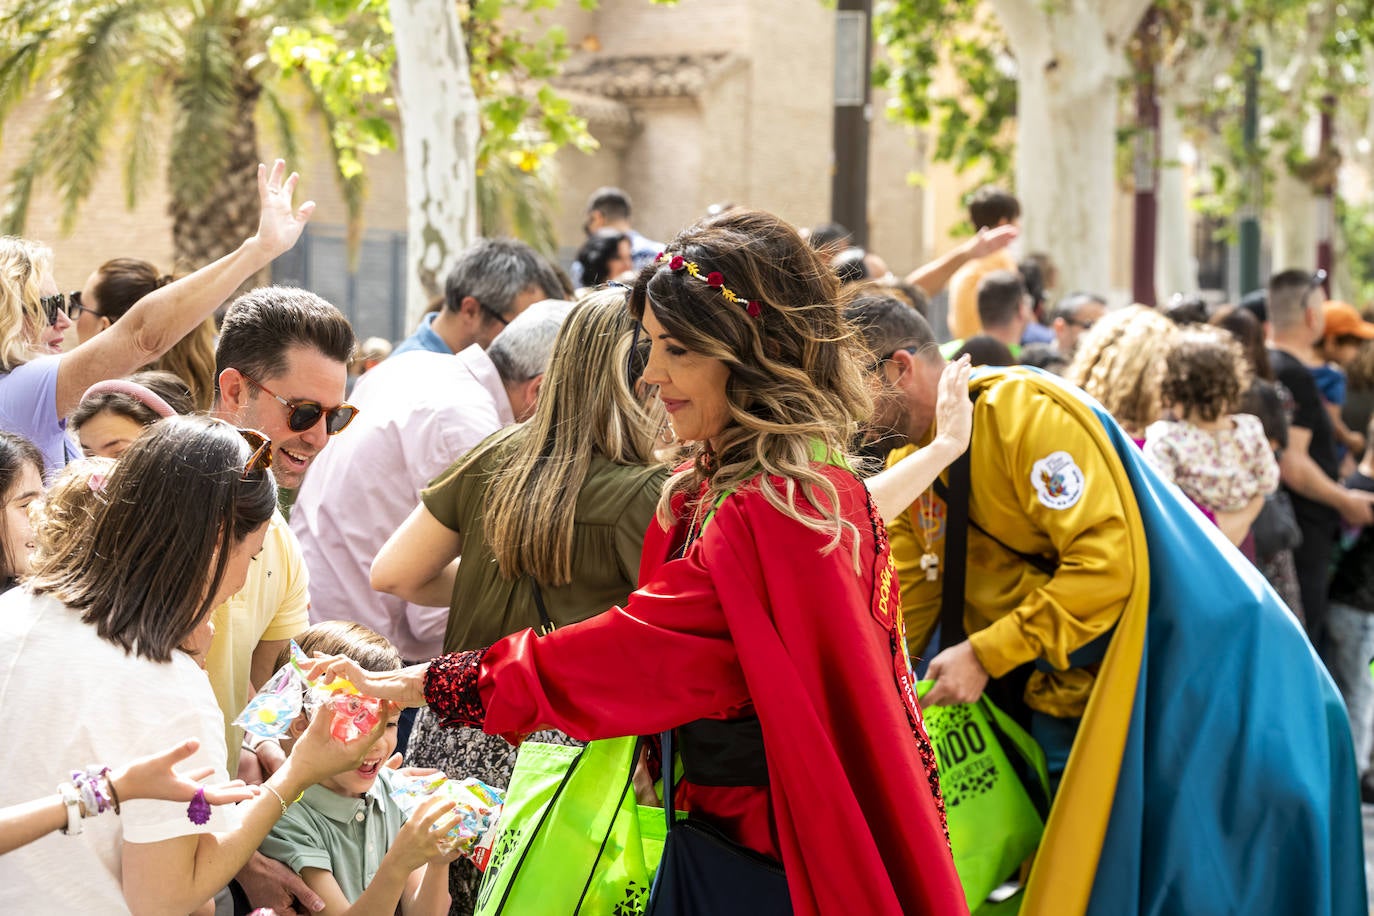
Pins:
<point x="1155" y="645"/>
<point x="1041" y="488"/>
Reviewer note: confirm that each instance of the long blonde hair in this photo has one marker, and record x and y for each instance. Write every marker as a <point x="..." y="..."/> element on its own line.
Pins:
<point x="23" y="267"/>
<point x="1121" y="363"/>
<point x="796" y="385"/>
<point x="586" y="409"/>
<point x="193" y="360"/>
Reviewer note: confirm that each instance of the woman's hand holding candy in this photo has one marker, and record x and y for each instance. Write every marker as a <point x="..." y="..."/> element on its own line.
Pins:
<point x="405" y="687"/>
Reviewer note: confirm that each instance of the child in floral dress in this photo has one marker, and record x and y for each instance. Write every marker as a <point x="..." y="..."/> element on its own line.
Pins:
<point x="1221" y="460"/>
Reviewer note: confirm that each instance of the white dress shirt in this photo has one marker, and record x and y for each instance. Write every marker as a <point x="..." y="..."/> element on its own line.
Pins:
<point x="418" y="412"/>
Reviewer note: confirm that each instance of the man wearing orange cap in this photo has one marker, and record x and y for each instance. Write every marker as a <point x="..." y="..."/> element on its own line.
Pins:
<point x="1343" y="332"/>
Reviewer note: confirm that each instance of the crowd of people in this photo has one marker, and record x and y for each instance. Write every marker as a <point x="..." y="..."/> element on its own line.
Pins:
<point x="738" y="486"/>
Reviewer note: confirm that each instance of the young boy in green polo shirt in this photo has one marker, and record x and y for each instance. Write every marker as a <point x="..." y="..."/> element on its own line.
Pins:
<point x="347" y="837"/>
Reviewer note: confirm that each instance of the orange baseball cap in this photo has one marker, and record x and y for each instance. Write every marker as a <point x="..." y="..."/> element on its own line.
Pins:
<point x="1343" y="321"/>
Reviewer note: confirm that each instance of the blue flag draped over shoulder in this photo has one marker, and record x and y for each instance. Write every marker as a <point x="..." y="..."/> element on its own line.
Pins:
<point x="1214" y="771"/>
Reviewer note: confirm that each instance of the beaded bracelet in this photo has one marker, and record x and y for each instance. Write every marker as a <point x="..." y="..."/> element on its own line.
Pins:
<point x="88" y="784"/>
<point x="84" y="796"/>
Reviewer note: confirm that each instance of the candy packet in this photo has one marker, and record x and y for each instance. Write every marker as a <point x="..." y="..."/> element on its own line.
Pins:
<point x="271" y="711"/>
<point x="477" y="805"/>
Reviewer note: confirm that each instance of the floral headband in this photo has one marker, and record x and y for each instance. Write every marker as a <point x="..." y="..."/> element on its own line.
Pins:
<point x="714" y="279"/>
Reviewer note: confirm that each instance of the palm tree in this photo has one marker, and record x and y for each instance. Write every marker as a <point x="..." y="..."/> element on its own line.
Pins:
<point x="118" y="68"/>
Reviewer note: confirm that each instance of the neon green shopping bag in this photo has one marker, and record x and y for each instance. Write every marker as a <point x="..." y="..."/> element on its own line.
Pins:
<point x="996" y="793"/>
<point x="571" y="837"/>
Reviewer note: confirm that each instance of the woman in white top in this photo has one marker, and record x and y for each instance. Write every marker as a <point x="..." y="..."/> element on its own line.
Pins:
<point x="95" y="667"/>
<point x="40" y="384"/>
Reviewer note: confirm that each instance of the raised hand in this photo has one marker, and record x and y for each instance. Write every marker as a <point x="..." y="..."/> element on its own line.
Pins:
<point x="279" y="225"/>
<point x="991" y="241"/>
<point x="153" y="777"/>
<point x="953" y="409"/>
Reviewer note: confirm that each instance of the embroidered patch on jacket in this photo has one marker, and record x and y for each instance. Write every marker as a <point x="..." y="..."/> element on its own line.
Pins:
<point x="1057" y="480"/>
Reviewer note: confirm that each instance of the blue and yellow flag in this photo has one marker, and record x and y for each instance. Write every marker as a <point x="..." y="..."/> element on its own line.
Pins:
<point x="1213" y="771"/>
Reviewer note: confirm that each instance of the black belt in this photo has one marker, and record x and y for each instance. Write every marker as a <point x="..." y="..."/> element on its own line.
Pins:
<point x="723" y="752"/>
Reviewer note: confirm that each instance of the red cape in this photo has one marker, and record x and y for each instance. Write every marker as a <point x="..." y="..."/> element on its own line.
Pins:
<point x="756" y="613"/>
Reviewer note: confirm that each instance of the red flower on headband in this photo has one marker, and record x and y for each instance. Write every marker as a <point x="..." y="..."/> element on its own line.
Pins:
<point x="677" y="262"/>
<point x="715" y="280"/>
<point x="754" y="308"/>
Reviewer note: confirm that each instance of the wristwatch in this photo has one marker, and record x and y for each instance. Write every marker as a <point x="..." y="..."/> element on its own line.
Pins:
<point x="72" y="799"/>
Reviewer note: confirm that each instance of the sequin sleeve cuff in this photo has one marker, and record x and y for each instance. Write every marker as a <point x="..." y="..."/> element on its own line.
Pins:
<point x="451" y="689"/>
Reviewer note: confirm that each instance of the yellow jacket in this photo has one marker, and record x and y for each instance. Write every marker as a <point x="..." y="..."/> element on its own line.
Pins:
<point x="962" y="316"/>
<point x="1041" y="483"/>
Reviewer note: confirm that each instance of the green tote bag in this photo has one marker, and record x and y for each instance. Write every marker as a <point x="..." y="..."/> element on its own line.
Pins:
<point x="571" y="837"/>
<point x="996" y="792"/>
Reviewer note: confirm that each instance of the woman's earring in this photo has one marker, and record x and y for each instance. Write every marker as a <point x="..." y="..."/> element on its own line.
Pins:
<point x="667" y="435"/>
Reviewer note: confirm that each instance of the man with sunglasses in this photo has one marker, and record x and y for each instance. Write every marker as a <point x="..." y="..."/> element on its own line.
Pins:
<point x="281" y="363"/>
<point x="1075" y="315"/>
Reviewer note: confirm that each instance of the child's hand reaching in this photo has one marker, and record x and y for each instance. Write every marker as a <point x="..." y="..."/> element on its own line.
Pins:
<point x="424" y="837"/>
<point x="153" y="777"/>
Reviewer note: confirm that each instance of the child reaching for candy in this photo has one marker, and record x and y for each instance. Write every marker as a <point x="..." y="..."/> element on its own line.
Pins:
<point x="348" y="838"/>
<point x="98" y="789"/>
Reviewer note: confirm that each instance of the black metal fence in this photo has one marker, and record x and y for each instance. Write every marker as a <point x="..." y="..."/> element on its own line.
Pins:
<point x="372" y="295"/>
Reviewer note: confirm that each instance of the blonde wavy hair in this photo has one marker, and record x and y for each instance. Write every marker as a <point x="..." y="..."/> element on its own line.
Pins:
<point x="192" y="359"/>
<point x="24" y="265"/>
<point x="70" y="507"/>
<point x="796" y="379"/>
<point x="1121" y="362"/>
<point x="586" y="409"/>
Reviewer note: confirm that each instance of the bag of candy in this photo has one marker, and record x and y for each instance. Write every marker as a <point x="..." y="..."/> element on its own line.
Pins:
<point x="477" y="804"/>
<point x="272" y="709"/>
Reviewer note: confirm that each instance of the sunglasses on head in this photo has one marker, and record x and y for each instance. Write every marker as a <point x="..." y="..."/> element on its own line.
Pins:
<point x="53" y="306"/>
<point x="1318" y="280"/>
<point x="261" y="457"/>
<point x="305" y="414"/>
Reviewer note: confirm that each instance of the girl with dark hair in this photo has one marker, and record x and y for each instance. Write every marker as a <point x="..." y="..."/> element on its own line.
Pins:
<point x="768" y="618"/>
<point x="21" y="485"/>
<point x="102" y="635"/>
<point x="605" y="256"/>
<point x="112" y="289"/>
<point x="115" y="412"/>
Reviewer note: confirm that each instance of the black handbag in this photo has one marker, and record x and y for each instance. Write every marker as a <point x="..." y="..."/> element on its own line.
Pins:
<point x="705" y="874"/>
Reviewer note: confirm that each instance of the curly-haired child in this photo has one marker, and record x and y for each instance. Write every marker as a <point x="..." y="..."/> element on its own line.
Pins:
<point x="1221" y="460"/>
<point x="77" y="496"/>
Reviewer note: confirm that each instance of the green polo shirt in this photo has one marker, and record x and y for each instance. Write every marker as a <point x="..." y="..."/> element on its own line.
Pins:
<point x="344" y="835"/>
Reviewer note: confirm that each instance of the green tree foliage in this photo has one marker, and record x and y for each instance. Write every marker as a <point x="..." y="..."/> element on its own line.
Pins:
<point x="946" y="66"/>
<point x="115" y="70"/>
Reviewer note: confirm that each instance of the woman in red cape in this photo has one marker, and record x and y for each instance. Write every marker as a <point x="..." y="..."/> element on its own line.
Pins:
<point x="766" y="628"/>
